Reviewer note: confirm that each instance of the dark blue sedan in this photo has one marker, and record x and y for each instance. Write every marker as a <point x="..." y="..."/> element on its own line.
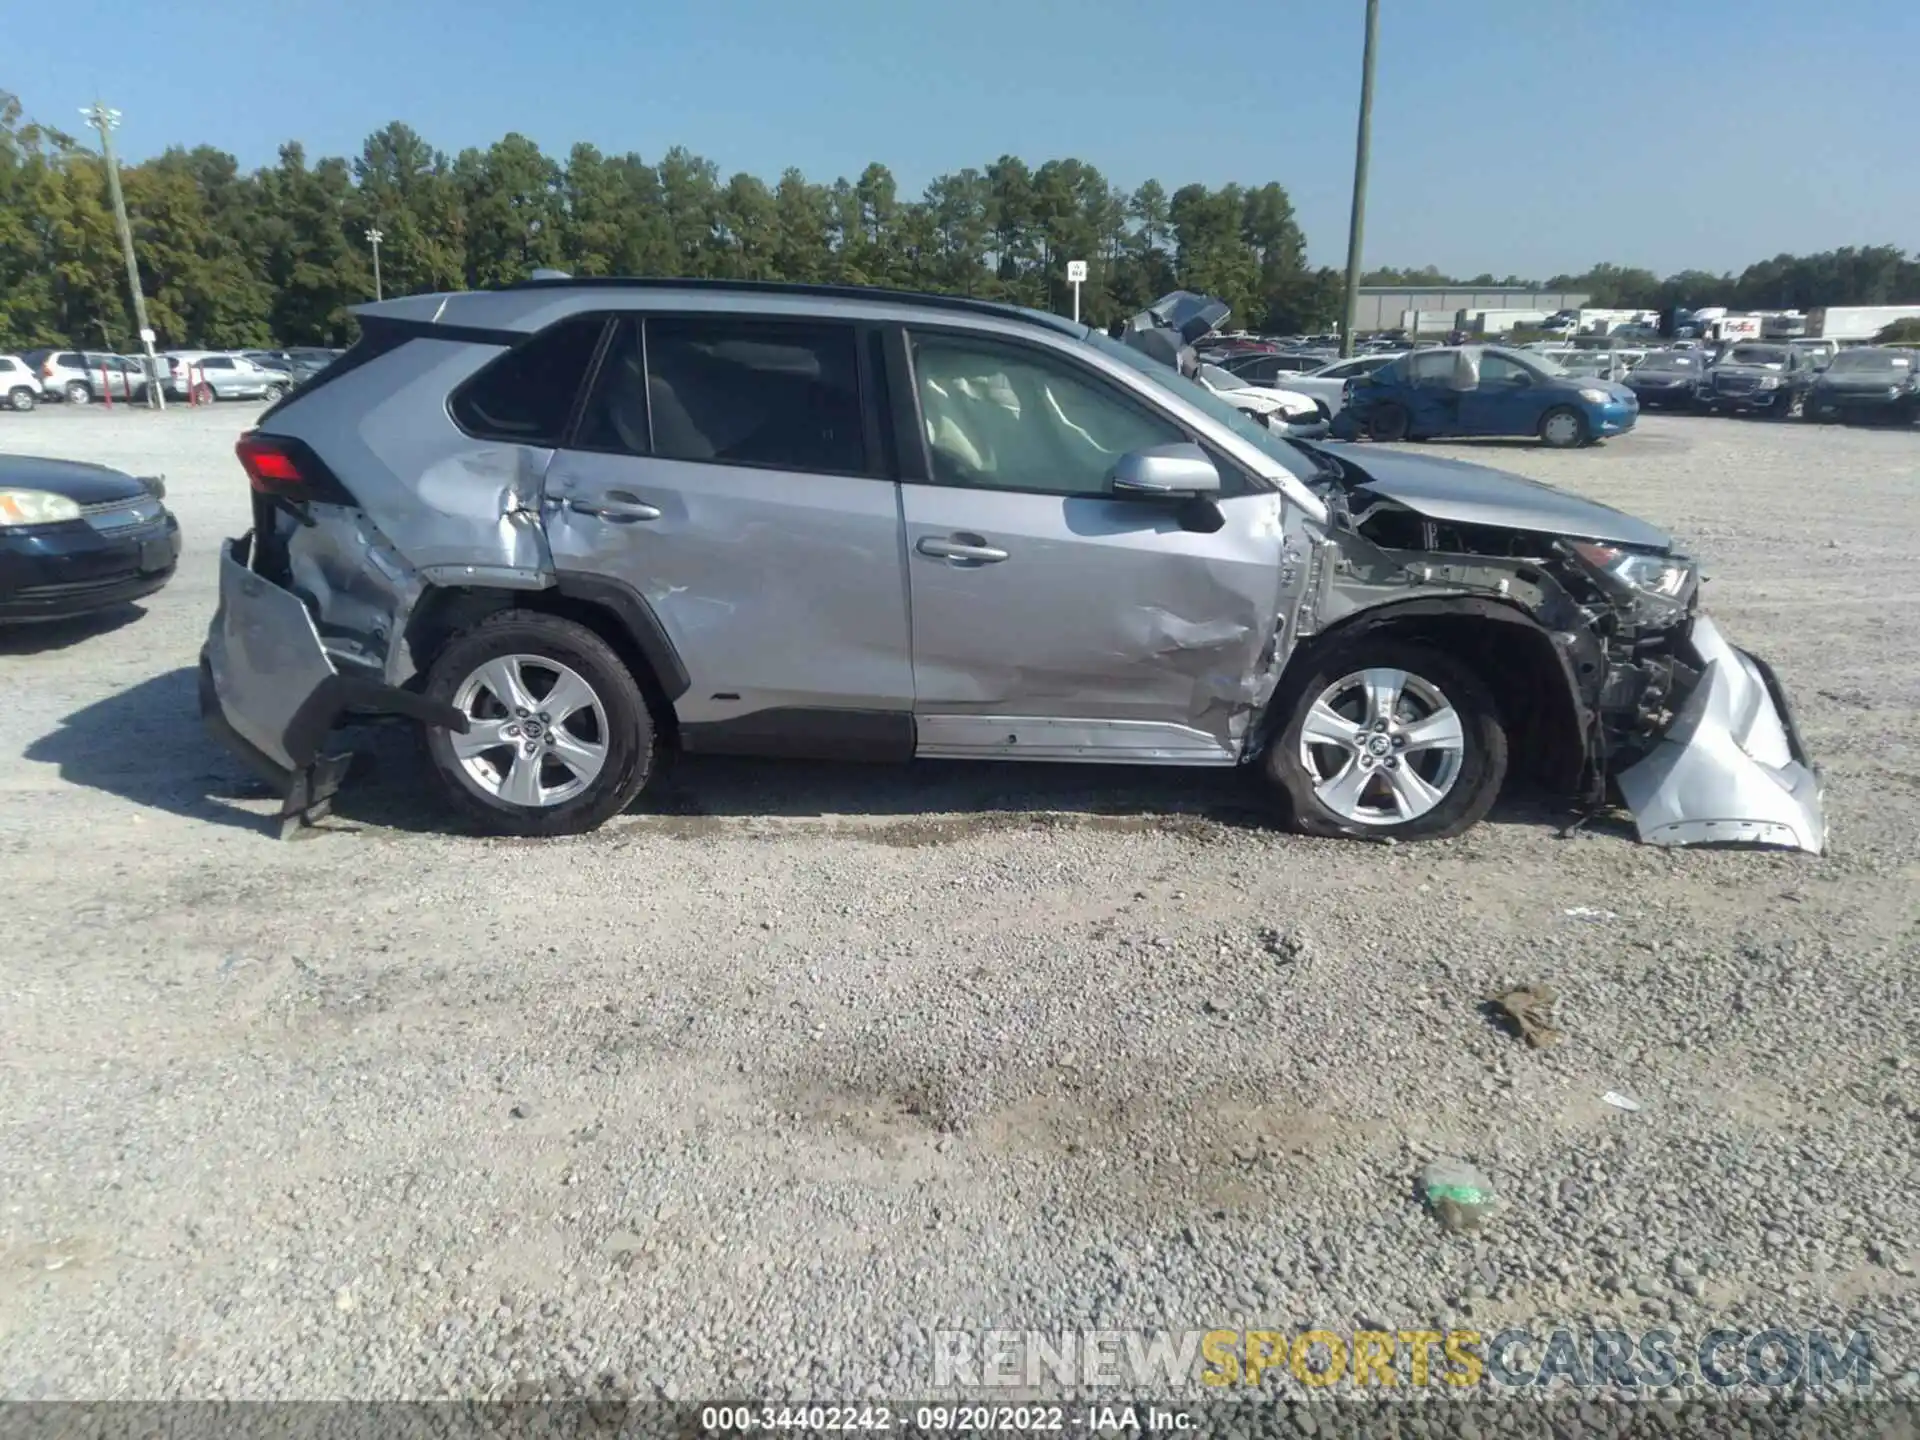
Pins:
<point x="1484" y="390"/>
<point x="78" y="538"/>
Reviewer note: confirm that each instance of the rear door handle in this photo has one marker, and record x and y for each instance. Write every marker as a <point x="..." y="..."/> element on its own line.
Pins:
<point x="961" y="547"/>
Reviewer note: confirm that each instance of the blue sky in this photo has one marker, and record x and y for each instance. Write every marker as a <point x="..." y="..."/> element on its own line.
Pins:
<point x="1529" y="136"/>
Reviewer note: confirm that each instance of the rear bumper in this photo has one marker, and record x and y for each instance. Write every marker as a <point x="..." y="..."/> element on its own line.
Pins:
<point x="1733" y="768"/>
<point x="269" y="691"/>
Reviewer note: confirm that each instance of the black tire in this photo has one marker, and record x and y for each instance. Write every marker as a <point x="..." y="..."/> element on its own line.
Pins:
<point x="203" y="395"/>
<point x="273" y="393"/>
<point x="1388" y="422"/>
<point x="78" y="392"/>
<point x="1483" y="763"/>
<point x="629" y="738"/>
<point x="1791" y="406"/>
<point x="1572" y="439"/>
<point x="21" y="398"/>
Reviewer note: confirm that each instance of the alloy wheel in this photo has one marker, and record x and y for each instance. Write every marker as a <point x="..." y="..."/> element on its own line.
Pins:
<point x="537" y="732"/>
<point x="1382" y="746"/>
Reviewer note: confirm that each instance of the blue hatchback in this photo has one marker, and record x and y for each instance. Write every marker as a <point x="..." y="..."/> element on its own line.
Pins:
<point x="1484" y="390"/>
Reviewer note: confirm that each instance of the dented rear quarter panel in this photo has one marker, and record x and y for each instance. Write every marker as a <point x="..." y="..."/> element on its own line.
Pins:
<point x="454" y="509"/>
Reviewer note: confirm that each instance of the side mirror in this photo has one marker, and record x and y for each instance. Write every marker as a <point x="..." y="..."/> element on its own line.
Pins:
<point x="1164" y="472"/>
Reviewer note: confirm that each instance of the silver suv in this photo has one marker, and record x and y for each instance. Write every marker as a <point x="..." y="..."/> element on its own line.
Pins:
<point x="565" y="524"/>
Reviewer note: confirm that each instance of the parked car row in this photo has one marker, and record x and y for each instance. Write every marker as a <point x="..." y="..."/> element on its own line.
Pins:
<point x="1786" y="381"/>
<point x="82" y="377"/>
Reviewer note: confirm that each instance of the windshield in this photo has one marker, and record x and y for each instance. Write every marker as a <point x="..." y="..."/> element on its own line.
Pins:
<point x="1290" y="458"/>
<point x="1757" y="355"/>
<point x="1860" y="361"/>
<point x="1670" y="362"/>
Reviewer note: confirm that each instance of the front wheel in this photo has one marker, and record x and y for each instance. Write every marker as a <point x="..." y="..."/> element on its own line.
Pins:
<point x="559" y="739"/>
<point x="203" y="395"/>
<point x="1389" y="741"/>
<point x="1563" y="428"/>
<point x="1791" y="406"/>
<point x="273" y="393"/>
<point x="21" y="398"/>
<point x="78" y="392"/>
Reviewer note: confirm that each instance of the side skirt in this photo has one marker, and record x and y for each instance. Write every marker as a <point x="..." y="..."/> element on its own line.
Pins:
<point x="1066" y="739"/>
<point x="800" y="733"/>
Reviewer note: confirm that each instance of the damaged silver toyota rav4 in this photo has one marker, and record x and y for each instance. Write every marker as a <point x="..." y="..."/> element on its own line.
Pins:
<point x="565" y="524"/>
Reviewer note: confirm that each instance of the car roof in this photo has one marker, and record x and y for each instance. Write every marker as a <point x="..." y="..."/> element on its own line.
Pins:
<point x="529" y="305"/>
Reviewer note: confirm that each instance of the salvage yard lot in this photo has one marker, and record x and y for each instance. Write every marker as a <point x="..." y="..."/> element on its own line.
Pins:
<point x="754" y="1089"/>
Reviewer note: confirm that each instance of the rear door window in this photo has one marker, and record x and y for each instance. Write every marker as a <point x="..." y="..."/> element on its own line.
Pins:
<point x="732" y="390"/>
<point x="527" y="395"/>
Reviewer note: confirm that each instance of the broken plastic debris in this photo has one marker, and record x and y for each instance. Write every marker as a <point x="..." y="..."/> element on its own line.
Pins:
<point x="1459" y="1195"/>
<point x="1588" y="912"/>
<point x="1619" y="1101"/>
<point x="1530" y="1010"/>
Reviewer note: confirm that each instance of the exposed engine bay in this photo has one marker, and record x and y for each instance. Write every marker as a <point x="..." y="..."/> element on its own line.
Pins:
<point x="1694" y="736"/>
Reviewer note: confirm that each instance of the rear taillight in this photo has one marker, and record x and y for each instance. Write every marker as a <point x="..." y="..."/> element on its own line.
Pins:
<point x="287" y="469"/>
<point x="270" y="466"/>
<point x="46" y="369"/>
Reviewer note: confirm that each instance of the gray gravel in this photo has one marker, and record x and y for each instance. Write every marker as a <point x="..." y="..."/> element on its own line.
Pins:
<point x="751" y="1092"/>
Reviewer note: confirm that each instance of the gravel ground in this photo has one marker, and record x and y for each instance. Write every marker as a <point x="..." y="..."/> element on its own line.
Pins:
<point x="751" y="1093"/>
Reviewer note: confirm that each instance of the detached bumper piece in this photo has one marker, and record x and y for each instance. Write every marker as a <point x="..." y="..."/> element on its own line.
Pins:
<point x="1733" y="769"/>
<point x="270" y="694"/>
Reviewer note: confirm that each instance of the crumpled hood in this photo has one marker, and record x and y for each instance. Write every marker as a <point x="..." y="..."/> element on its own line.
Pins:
<point x="1463" y="494"/>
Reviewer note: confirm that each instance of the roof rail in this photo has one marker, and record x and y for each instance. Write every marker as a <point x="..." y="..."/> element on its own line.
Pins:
<point x="543" y="280"/>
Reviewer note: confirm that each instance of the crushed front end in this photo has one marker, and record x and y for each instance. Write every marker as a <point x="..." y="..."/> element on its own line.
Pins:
<point x="1694" y="736"/>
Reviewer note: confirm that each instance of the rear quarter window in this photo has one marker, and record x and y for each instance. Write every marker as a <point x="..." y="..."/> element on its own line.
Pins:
<point x="527" y="395"/>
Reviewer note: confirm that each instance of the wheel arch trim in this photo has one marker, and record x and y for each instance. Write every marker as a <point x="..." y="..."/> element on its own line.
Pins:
<point x="1565" y="647"/>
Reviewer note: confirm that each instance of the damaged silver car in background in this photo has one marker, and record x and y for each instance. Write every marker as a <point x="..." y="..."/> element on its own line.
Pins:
<point x="566" y="524"/>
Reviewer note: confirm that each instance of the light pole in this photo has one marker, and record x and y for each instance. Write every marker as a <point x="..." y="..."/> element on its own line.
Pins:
<point x="374" y="237"/>
<point x="104" y="120"/>
<point x="1362" y="144"/>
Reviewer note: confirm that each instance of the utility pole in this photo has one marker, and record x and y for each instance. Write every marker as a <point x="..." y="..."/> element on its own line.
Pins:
<point x="1362" y="145"/>
<point x="374" y="237"/>
<point x="104" y="120"/>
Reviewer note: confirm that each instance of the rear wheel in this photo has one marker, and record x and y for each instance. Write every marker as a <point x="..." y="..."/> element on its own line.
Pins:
<point x="559" y="738"/>
<point x="21" y="398"/>
<point x="1388" y="422"/>
<point x="273" y="393"/>
<point x="203" y="395"/>
<point x="1563" y="428"/>
<point x="78" y="392"/>
<point x="1389" y="741"/>
<point x="1791" y="406"/>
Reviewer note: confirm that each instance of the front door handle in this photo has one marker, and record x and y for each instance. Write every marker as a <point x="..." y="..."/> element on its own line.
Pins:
<point x="972" y="548"/>
<point x="612" y="509"/>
